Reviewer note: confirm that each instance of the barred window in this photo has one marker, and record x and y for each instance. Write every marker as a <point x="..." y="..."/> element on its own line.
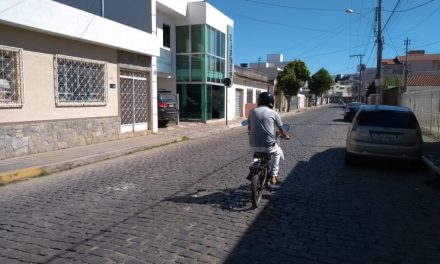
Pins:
<point x="258" y="93"/>
<point x="79" y="82"/>
<point x="250" y="98"/>
<point x="11" y="78"/>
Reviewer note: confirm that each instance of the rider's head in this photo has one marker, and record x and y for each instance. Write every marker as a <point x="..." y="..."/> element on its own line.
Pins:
<point x="266" y="99"/>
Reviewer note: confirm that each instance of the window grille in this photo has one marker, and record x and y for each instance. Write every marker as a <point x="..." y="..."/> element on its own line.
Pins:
<point x="258" y="92"/>
<point x="11" y="77"/>
<point x="250" y="94"/>
<point x="80" y="82"/>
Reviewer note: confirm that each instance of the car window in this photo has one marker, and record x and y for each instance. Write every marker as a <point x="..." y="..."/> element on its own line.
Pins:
<point x="392" y="119"/>
<point x="167" y="97"/>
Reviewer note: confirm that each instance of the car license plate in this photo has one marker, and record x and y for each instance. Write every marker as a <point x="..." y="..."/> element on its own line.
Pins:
<point x="170" y="105"/>
<point x="385" y="138"/>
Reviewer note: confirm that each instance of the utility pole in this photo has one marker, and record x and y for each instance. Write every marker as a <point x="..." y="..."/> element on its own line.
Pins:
<point x="259" y="60"/>
<point x="379" y="52"/>
<point x="407" y="42"/>
<point x="360" y="74"/>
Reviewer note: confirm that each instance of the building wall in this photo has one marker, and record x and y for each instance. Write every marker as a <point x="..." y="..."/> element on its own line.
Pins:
<point x="130" y="13"/>
<point x="232" y="102"/>
<point x="423" y="66"/>
<point x="58" y="19"/>
<point x="39" y="125"/>
<point x="38" y="73"/>
<point x="204" y="13"/>
<point x="178" y="7"/>
<point x="20" y="139"/>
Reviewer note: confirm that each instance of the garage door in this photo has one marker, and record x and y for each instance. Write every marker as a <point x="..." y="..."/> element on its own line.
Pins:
<point x="238" y="103"/>
<point x="134" y="101"/>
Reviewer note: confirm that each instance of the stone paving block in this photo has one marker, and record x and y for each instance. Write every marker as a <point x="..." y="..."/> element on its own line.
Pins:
<point x="143" y="207"/>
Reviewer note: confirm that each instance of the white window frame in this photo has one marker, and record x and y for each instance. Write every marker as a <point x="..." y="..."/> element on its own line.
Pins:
<point x="60" y="102"/>
<point x="18" y="84"/>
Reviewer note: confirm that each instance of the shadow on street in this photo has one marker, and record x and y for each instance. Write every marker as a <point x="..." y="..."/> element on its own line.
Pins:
<point x="233" y="199"/>
<point x="326" y="212"/>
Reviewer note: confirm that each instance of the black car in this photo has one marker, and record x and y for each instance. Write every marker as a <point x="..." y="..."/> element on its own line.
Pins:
<point x="350" y="110"/>
<point x="167" y="107"/>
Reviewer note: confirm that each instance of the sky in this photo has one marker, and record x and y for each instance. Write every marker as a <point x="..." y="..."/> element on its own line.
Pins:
<point x="323" y="35"/>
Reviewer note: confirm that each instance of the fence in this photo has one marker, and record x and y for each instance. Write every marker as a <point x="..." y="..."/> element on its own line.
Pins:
<point x="426" y="106"/>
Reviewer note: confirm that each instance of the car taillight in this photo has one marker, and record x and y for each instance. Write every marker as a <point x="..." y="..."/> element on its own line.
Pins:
<point x="162" y="105"/>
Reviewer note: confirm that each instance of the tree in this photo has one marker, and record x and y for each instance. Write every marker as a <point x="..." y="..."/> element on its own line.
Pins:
<point x="292" y="78"/>
<point x="321" y="82"/>
<point x="393" y="81"/>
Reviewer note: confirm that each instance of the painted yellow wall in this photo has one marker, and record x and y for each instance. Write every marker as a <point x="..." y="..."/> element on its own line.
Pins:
<point x="38" y="73"/>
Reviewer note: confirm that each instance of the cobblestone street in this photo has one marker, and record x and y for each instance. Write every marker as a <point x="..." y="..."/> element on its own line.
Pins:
<point x="189" y="203"/>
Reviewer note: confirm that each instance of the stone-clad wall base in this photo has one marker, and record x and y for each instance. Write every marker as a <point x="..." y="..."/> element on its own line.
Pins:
<point x="36" y="137"/>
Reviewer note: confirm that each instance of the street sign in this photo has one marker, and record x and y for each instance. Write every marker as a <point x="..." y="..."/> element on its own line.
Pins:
<point x="227" y="82"/>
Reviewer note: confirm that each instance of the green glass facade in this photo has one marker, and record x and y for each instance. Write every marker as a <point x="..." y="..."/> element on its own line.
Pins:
<point x="200" y="70"/>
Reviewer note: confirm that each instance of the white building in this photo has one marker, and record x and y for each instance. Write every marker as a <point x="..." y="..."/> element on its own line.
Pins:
<point x="195" y="57"/>
<point x="87" y="71"/>
<point x="344" y="87"/>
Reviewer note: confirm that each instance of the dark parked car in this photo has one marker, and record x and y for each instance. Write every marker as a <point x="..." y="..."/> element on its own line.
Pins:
<point x="167" y="107"/>
<point x="350" y="110"/>
<point x="386" y="132"/>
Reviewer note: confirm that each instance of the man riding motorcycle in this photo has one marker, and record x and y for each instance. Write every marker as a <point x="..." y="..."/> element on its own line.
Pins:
<point x="263" y="124"/>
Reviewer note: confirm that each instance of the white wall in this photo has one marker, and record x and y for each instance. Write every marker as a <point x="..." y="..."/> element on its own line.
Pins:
<point x="204" y="13"/>
<point x="57" y="19"/>
<point x="174" y="6"/>
<point x="230" y="98"/>
<point x="301" y="101"/>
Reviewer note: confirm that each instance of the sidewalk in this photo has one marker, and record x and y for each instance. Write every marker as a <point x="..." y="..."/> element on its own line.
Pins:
<point x="18" y="168"/>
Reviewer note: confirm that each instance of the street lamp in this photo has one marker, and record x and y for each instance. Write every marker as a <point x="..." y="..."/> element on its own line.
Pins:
<point x="351" y="11"/>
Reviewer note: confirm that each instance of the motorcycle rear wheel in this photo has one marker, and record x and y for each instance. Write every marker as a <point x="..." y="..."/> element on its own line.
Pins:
<point x="256" y="189"/>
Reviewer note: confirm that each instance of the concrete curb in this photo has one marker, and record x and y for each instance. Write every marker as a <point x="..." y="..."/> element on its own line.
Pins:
<point x="12" y="176"/>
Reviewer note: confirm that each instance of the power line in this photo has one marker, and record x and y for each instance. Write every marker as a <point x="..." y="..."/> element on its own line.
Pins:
<point x="428" y="45"/>
<point x="421" y="22"/>
<point x="392" y="44"/>
<point x="316" y="37"/>
<point x="371" y="54"/>
<point x="328" y="39"/>
<point x="329" y="53"/>
<point x="392" y="13"/>
<point x="411" y="8"/>
<point x="397" y="14"/>
<point x="286" y="25"/>
<point x="294" y="7"/>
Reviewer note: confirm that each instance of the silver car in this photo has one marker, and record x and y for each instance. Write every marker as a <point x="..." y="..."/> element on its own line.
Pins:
<point x="384" y="131"/>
